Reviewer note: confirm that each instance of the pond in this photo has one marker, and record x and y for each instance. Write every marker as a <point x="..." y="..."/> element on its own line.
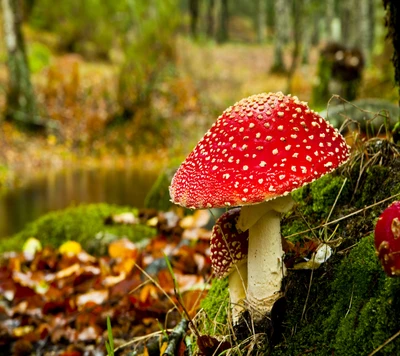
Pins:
<point x="55" y="190"/>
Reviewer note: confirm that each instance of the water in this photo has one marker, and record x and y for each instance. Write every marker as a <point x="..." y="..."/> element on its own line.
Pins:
<point x="57" y="190"/>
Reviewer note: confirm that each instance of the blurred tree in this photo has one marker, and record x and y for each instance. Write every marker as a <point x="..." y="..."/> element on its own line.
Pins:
<point x="194" y="17"/>
<point x="223" y="30"/>
<point x="298" y="23"/>
<point x="261" y="21"/>
<point x="210" y="27"/>
<point x="281" y="25"/>
<point x="329" y="17"/>
<point x="21" y="102"/>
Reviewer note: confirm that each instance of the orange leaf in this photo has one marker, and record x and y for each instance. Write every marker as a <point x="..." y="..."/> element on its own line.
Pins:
<point x="122" y="249"/>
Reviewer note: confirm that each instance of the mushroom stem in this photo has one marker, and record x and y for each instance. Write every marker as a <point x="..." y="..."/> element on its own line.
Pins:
<point x="237" y="290"/>
<point x="265" y="265"/>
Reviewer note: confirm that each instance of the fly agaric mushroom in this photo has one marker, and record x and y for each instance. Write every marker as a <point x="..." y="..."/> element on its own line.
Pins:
<point x="387" y="239"/>
<point x="229" y="248"/>
<point x="256" y="153"/>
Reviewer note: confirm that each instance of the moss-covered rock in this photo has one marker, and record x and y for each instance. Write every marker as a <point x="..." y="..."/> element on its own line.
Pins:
<point x="81" y="223"/>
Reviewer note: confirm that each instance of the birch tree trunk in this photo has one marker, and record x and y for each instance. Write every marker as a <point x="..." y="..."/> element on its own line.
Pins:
<point x="21" y="102"/>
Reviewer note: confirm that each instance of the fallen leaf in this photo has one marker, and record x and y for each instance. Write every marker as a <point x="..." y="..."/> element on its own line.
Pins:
<point x="70" y="248"/>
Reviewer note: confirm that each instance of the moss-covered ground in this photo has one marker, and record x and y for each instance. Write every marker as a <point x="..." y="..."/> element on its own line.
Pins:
<point x="347" y="306"/>
<point x="86" y="224"/>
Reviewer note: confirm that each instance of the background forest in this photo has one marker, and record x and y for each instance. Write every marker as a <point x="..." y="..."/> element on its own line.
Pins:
<point x="126" y="77"/>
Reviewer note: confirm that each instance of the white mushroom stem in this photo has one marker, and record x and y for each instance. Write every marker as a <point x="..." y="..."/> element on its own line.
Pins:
<point x="265" y="265"/>
<point x="237" y="290"/>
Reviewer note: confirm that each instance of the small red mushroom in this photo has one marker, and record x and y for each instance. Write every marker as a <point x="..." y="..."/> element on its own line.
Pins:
<point x="229" y="248"/>
<point x="387" y="239"/>
<point x="256" y="153"/>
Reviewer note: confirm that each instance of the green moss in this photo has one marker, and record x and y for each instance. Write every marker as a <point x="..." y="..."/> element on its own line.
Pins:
<point x="216" y="306"/>
<point x="351" y="308"/>
<point x="375" y="177"/>
<point x="324" y="192"/>
<point x="81" y="223"/>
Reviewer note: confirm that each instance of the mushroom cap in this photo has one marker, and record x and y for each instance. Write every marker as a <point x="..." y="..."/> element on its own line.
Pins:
<point x="229" y="246"/>
<point x="387" y="239"/>
<point x="262" y="147"/>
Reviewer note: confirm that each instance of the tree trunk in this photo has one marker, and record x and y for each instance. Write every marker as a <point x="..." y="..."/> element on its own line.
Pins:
<point x="194" y="17"/>
<point x="261" y="8"/>
<point x="211" y="18"/>
<point x="21" y="102"/>
<point x="281" y="24"/>
<point x="223" y="33"/>
<point x="329" y="16"/>
<point x="365" y="23"/>
<point x="298" y="32"/>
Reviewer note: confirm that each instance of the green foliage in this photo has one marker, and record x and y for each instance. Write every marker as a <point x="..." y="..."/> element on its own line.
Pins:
<point x="39" y="56"/>
<point x="3" y="178"/>
<point x="110" y="342"/>
<point x="80" y="224"/>
<point x="88" y="27"/>
<point x="149" y="47"/>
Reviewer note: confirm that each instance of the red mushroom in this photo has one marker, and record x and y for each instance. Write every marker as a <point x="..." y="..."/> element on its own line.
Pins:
<point x="229" y="248"/>
<point x="387" y="239"/>
<point x="256" y="153"/>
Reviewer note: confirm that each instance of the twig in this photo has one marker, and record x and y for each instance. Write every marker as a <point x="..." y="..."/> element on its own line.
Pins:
<point x="175" y="338"/>
<point x="385" y="343"/>
<point x="308" y="292"/>
<point x="351" y="301"/>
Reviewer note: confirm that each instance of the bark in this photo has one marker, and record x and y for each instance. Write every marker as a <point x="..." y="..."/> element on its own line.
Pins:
<point x="21" y="102"/>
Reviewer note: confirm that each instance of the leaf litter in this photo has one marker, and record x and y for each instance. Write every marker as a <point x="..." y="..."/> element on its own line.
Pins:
<point x="56" y="301"/>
